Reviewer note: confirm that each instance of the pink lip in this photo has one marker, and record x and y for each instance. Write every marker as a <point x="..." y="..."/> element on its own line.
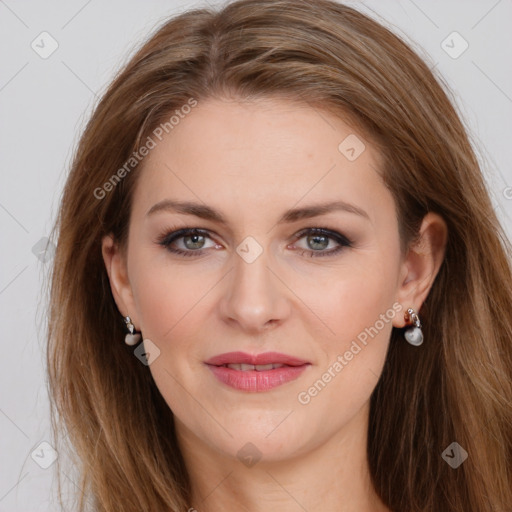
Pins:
<point x="253" y="380"/>
<point x="264" y="358"/>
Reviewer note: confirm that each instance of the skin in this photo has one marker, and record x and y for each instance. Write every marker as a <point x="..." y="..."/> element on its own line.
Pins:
<point x="252" y="161"/>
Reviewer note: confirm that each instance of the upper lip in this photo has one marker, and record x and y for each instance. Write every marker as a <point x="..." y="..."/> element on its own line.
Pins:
<point x="255" y="359"/>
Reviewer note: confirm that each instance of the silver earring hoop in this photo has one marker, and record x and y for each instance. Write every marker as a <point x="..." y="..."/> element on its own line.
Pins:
<point x="132" y="338"/>
<point x="413" y="335"/>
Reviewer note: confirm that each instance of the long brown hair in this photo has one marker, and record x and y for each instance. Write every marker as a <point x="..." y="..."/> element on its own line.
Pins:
<point x="456" y="388"/>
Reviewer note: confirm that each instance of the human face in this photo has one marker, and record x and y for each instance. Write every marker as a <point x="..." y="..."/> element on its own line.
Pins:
<point x="254" y="280"/>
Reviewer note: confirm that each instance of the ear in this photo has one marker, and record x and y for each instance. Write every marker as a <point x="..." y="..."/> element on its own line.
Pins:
<point x="115" y="263"/>
<point x="421" y="265"/>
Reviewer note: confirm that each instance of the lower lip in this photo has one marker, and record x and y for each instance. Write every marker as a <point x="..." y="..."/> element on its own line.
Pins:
<point x="252" y="380"/>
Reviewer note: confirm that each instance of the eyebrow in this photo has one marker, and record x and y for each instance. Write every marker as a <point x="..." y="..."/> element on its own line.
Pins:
<point x="295" y="214"/>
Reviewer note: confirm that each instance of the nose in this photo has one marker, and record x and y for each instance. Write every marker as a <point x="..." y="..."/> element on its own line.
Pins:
<point x="255" y="299"/>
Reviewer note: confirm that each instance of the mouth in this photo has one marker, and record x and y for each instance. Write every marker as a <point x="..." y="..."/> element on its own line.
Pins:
<point x="256" y="373"/>
<point x="257" y="367"/>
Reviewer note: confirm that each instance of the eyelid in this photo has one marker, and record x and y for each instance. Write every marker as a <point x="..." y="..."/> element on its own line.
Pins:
<point x="342" y="241"/>
<point x="330" y="233"/>
<point x="171" y="235"/>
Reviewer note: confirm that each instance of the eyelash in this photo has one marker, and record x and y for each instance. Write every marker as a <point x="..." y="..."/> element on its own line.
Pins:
<point x="168" y="238"/>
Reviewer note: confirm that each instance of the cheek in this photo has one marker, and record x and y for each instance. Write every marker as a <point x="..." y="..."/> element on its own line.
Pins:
<point x="157" y="305"/>
<point x="362" y="322"/>
<point x="166" y="296"/>
<point x="360" y="312"/>
<point x="354" y="299"/>
<point x="357" y="305"/>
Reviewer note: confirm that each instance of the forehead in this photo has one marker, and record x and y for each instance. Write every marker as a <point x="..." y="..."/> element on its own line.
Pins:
<point x="254" y="155"/>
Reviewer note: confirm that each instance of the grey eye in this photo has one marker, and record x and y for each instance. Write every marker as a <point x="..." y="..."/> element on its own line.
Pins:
<point x="317" y="242"/>
<point x="194" y="241"/>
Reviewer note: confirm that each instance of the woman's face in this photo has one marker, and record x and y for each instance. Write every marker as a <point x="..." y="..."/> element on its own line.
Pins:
<point x="296" y="264"/>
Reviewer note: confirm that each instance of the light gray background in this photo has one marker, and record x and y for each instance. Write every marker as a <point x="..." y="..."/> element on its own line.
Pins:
<point x="44" y="104"/>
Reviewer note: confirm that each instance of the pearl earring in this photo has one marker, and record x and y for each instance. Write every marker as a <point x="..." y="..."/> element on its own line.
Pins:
<point x="132" y="338"/>
<point x="414" y="335"/>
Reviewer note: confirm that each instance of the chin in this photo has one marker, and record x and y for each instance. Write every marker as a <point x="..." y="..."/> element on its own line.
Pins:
<point x="263" y="437"/>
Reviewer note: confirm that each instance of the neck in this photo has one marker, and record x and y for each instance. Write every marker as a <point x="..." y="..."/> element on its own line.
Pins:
<point x="332" y="476"/>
